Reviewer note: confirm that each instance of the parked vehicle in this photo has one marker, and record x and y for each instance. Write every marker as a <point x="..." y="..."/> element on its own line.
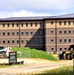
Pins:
<point x="4" y="51"/>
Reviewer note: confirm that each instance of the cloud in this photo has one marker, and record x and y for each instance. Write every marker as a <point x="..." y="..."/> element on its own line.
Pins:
<point x="34" y="5"/>
<point x="23" y="13"/>
<point x="19" y="8"/>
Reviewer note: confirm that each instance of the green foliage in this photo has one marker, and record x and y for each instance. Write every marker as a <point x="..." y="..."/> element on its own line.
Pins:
<point x="33" y="53"/>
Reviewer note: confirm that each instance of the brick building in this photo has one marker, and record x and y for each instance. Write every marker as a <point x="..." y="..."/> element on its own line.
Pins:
<point x="46" y="33"/>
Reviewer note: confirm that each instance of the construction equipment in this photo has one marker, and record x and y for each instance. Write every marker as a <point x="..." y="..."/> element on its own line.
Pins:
<point x="67" y="54"/>
<point x="4" y="51"/>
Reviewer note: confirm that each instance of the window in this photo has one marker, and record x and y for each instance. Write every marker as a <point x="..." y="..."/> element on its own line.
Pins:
<point x="73" y="31"/>
<point x="17" y="24"/>
<point x="8" y="41"/>
<point x="12" y="33"/>
<point x="51" y="23"/>
<point x="26" y="33"/>
<point x="8" y="25"/>
<point x="60" y="40"/>
<point x="65" y="40"/>
<point x="36" y="40"/>
<point x="26" y="41"/>
<point x="12" y="24"/>
<point x="73" y="22"/>
<point x="65" y="48"/>
<point x="31" y="33"/>
<point x="21" y="24"/>
<point x="36" y="33"/>
<point x="40" y="41"/>
<point x="60" y="49"/>
<point x="26" y="24"/>
<point x="8" y="33"/>
<point x="17" y="33"/>
<point x="60" y="32"/>
<point x="64" y="22"/>
<point x="22" y="41"/>
<point x="31" y="41"/>
<point x="12" y="41"/>
<point x="31" y="24"/>
<point x="41" y="24"/>
<point x="69" y="40"/>
<point x="35" y="24"/>
<point x="51" y="31"/>
<point x="64" y="32"/>
<point x="69" y="31"/>
<point x="40" y="32"/>
<point x="3" y="25"/>
<point x="52" y="40"/>
<point x="3" y="42"/>
<point x="69" y="22"/>
<point x="22" y="33"/>
<point x="52" y="48"/>
<point x="60" y="23"/>
<point x="17" y="41"/>
<point x="3" y="33"/>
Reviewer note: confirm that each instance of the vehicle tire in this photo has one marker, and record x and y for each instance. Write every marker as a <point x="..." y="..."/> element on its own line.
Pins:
<point x="66" y="56"/>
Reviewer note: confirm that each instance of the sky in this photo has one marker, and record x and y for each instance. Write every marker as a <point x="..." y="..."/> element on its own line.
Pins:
<point x="29" y="8"/>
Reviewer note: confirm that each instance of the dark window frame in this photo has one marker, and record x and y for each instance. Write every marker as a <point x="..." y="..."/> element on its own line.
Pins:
<point x="60" y="23"/>
<point x="22" y="24"/>
<point x="36" y="24"/>
<point x="69" y="22"/>
<point x="13" y="41"/>
<point x="52" y="22"/>
<point x="12" y="24"/>
<point x="3" y="25"/>
<point x="26" y="24"/>
<point x="31" y="24"/>
<point x="8" y="25"/>
<point x="26" y="33"/>
<point x="17" y="24"/>
<point x="3" y="33"/>
<point x="64" y="22"/>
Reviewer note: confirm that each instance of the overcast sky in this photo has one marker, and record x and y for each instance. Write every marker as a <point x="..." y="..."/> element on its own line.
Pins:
<point x="22" y="8"/>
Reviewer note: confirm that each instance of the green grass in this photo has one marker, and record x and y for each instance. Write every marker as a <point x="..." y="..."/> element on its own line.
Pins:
<point x="59" y="71"/>
<point x="33" y="53"/>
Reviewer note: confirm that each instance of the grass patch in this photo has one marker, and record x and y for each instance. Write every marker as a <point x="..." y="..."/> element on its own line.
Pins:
<point x="59" y="71"/>
<point x="67" y="70"/>
<point x="33" y="53"/>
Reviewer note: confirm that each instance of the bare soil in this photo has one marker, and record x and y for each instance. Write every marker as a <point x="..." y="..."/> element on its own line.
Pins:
<point x="33" y="66"/>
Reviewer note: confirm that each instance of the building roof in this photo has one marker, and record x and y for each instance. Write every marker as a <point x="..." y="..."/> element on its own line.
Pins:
<point x="23" y="18"/>
<point x="67" y="16"/>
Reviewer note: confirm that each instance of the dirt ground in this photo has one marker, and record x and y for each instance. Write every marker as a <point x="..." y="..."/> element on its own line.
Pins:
<point x="34" y="65"/>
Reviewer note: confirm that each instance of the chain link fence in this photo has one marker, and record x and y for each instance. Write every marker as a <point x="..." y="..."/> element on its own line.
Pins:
<point x="23" y="54"/>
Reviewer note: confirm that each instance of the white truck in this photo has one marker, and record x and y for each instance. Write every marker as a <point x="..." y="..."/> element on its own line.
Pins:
<point x="4" y="51"/>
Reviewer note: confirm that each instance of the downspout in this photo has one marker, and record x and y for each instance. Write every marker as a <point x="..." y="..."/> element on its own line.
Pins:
<point x="56" y="35"/>
<point x="19" y="34"/>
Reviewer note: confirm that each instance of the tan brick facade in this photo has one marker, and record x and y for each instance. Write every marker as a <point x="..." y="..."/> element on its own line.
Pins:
<point x="47" y="34"/>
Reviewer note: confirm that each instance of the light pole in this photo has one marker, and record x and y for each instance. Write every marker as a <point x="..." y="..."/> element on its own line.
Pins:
<point x="73" y="66"/>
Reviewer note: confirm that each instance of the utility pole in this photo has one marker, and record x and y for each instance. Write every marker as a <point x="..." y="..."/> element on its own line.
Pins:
<point x="73" y="66"/>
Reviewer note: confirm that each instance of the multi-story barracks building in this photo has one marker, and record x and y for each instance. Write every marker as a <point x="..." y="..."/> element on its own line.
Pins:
<point x="46" y="33"/>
